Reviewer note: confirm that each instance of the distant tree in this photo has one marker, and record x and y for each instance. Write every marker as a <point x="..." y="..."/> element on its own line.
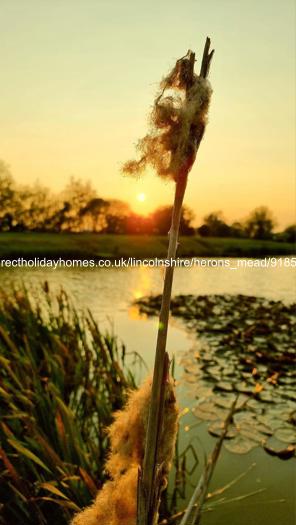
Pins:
<point x="203" y="230"/>
<point x="58" y="221"/>
<point x="289" y="234"/>
<point x="187" y="219"/>
<point x="116" y="217"/>
<point x="161" y="220"/>
<point x="75" y="197"/>
<point x="32" y="208"/>
<point x="93" y="215"/>
<point x="7" y="192"/>
<point x="138" y="224"/>
<point x="78" y="193"/>
<point x="6" y="222"/>
<point x="6" y="184"/>
<point x="237" y="230"/>
<point x="260" y="223"/>
<point x="214" y="226"/>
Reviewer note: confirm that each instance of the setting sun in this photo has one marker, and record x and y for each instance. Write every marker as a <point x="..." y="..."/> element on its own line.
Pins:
<point x="141" y="197"/>
<point x="141" y="203"/>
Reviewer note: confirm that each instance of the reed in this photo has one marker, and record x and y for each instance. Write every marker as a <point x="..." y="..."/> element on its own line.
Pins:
<point x="61" y="379"/>
<point x="177" y="125"/>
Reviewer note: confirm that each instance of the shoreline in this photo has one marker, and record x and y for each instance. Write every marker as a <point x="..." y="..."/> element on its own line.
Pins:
<point x="98" y="247"/>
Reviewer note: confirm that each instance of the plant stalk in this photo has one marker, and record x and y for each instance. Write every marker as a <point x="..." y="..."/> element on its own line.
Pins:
<point x="160" y="369"/>
<point x="193" y="511"/>
<point x="149" y="483"/>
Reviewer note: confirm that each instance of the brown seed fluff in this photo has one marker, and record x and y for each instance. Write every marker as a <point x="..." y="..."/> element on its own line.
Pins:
<point x="116" y="503"/>
<point x="177" y="124"/>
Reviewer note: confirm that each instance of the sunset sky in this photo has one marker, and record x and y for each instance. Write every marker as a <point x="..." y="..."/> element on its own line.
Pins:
<point x="79" y="77"/>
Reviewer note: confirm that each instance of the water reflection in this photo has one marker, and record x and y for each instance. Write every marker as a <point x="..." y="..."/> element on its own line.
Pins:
<point x="134" y="313"/>
<point x="144" y="283"/>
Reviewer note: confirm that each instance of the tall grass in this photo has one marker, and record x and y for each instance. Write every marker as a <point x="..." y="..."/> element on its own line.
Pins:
<point x="60" y="381"/>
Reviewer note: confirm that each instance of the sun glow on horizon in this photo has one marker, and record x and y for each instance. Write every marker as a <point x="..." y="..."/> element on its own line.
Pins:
<point x="142" y="206"/>
<point x="141" y="197"/>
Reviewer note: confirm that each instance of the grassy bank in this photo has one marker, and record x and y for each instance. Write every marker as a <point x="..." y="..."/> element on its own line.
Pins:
<point x="89" y="245"/>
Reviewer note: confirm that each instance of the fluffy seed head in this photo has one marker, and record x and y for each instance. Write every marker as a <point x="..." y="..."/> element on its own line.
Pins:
<point x="177" y="124"/>
<point x="116" y="503"/>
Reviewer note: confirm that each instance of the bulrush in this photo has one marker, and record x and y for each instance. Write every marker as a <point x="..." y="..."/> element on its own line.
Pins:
<point x="116" y="503"/>
<point x="177" y="126"/>
<point x="177" y="123"/>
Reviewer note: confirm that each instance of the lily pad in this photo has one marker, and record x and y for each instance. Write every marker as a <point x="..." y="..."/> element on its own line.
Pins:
<point x="243" y="345"/>
<point x="240" y="445"/>
<point x="274" y="447"/>
<point x="217" y="428"/>
<point x="224" y="386"/>
<point x="286" y="435"/>
<point x="209" y="412"/>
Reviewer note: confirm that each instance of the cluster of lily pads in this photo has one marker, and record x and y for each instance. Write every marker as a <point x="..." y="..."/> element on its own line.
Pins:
<point x="245" y="348"/>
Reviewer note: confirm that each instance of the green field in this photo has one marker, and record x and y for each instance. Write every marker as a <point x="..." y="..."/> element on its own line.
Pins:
<point x="90" y="245"/>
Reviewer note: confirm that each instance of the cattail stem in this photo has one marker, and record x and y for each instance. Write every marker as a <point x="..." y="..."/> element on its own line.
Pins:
<point x="146" y="499"/>
<point x="149" y="486"/>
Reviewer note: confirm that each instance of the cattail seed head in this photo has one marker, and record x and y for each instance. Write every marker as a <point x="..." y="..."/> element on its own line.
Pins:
<point x="116" y="503"/>
<point x="177" y="123"/>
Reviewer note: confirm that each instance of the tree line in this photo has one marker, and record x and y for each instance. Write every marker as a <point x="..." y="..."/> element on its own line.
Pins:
<point x="78" y="208"/>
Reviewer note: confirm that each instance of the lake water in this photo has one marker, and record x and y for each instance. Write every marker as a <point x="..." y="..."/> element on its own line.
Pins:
<point x="109" y="293"/>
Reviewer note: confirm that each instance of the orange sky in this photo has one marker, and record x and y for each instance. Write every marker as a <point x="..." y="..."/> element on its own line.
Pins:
<point x="80" y="77"/>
